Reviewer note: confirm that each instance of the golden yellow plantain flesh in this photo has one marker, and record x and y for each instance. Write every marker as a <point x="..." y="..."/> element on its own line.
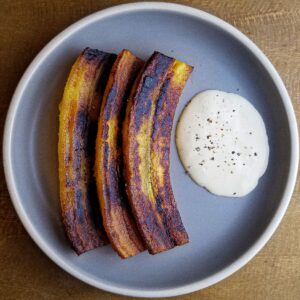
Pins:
<point x="116" y="214"/>
<point x="79" y="111"/>
<point x="146" y="145"/>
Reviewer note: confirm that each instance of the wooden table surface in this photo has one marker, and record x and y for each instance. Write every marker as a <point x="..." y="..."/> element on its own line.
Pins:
<point x="25" y="27"/>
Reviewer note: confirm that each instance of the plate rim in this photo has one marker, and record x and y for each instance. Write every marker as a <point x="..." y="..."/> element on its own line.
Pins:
<point x="263" y="238"/>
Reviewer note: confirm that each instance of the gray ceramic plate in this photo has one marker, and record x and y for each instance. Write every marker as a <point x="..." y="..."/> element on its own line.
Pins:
<point x="225" y="233"/>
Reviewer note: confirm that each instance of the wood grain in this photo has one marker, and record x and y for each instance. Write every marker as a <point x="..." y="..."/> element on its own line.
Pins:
<point x="25" y="27"/>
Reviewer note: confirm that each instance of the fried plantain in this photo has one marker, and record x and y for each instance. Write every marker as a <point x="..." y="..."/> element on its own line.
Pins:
<point x="117" y="218"/>
<point x="79" y="111"/>
<point x="146" y="145"/>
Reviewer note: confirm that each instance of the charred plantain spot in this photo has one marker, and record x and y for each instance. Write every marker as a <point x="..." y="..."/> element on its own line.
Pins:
<point x="164" y="218"/>
<point x="144" y="100"/>
<point x="107" y="62"/>
<point x="166" y="152"/>
<point x="105" y="131"/>
<point x="153" y="225"/>
<point x="149" y="83"/>
<point x="81" y="122"/>
<point x="162" y="96"/>
<point x="166" y="119"/>
<point x="85" y="135"/>
<point x="79" y="208"/>
<point x="106" y="155"/>
<point x="91" y="54"/>
<point x="77" y="158"/>
<point x="110" y="108"/>
<point x="165" y="126"/>
<point x="112" y="187"/>
<point x="157" y="66"/>
<point x="160" y="236"/>
<point x="159" y="205"/>
<point x="163" y="62"/>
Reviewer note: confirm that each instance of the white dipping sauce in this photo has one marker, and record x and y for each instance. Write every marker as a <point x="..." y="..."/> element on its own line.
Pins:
<point x="222" y="142"/>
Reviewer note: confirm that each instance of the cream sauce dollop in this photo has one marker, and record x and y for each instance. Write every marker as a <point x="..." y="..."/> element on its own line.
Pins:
<point x="222" y="142"/>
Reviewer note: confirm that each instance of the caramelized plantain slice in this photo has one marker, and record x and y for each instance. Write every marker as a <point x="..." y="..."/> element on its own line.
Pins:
<point x="79" y="111"/>
<point x="146" y="142"/>
<point x="117" y="218"/>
